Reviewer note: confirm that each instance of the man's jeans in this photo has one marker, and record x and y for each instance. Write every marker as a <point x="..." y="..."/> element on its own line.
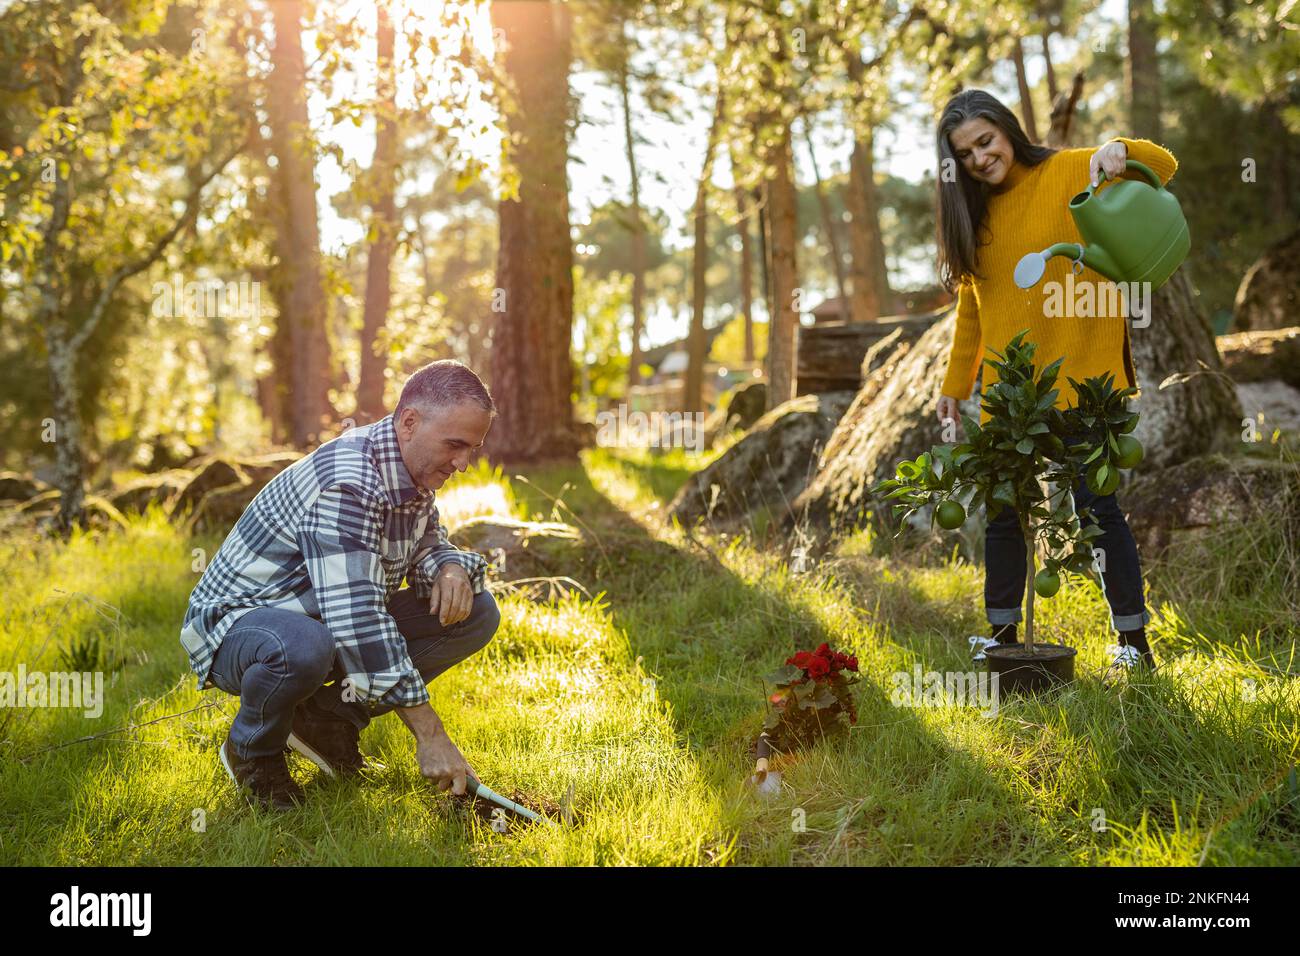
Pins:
<point x="1005" y="556"/>
<point x="276" y="660"/>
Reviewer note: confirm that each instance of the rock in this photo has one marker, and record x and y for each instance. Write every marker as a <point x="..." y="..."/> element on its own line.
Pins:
<point x="39" y="505"/>
<point x="220" y="508"/>
<point x="545" y="559"/>
<point x="1164" y="506"/>
<point x="1263" y="355"/>
<point x="211" y="473"/>
<point x="747" y="405"/>
<point x="16" y="487"/>
<point x="161" y="489"/>
<point x="715" y="425"/>
<point x="263" y="468"/>
<point x="100" y="512"/>
<point x="1270" y="405"/>
<point x="1269" y="294"/>
<point x="768" y="467"/>
<point x="223" y="487"/>
<point x="529" y="549"/>
<point x="891" y="418"/>
<point x="880" y="352"/>
<point x="736" y="411"/>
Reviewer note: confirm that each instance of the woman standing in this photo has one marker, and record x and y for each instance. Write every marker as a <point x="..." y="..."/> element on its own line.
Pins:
<point x="999" y="197"/>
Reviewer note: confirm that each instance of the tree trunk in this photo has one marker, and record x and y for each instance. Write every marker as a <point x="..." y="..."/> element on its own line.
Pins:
<point x="1026" y="98"/>
<point x="370" y="390"/>
<point x="638" y="235"/>
<point x="1049" y="71"/>
<point x="61" y="358"/>
<point x="765" y="260"/>
<point x="828" y="221"/>
<point x="274" y="392"/>
<point x="532" y="373"/>
<point x="785" y="276"/>
<point x="299" y="230"/>
<point x="696" y="348"/>
<point x="69" y="463"/>
<point x="746" y="268"/>
<point x="1143" y="72"/>
<point x="869" y="292"/>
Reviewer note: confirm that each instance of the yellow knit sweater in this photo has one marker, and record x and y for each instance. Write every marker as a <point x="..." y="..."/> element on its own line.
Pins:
<point x="1027" y="212"/>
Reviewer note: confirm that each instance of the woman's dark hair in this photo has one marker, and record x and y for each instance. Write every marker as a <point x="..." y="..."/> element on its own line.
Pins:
<point x="961" y="204"/>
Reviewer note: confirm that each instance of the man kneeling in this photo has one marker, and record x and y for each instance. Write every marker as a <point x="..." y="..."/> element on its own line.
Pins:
<point x="300" y="612"/>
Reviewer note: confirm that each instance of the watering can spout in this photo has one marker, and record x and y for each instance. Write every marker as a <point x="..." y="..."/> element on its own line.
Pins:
<point x="1032" y="266"/>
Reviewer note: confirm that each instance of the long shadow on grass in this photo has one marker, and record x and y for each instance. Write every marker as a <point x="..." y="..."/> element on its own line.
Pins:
<point x="706" y="635"/>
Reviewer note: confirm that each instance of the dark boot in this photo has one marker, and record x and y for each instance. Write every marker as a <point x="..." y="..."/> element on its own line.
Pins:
<point x="332" y="745"/>
<point x="266" y="779"/>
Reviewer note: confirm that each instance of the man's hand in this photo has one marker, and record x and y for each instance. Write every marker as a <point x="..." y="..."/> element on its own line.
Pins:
<point x="440" y="760"/>
<point x="453" y="596"/>
<point x="1112" y="158"/>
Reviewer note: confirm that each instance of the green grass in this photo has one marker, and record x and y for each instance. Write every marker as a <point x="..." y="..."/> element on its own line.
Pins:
<point x="642" y="700"/>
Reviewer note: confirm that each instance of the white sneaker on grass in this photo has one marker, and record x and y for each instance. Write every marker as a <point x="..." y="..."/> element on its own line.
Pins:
<point x="1126" y="656"/>
<point x="978" y="643"/>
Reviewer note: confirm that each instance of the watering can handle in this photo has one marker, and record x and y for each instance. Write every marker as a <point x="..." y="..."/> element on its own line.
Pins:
<point x="1142" y="168"/>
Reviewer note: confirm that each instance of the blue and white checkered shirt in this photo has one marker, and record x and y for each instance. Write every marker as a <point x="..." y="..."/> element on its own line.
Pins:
<point x="333" y="536"/>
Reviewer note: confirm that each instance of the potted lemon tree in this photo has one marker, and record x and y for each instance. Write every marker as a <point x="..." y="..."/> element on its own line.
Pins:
<point x="1004" y="463"/>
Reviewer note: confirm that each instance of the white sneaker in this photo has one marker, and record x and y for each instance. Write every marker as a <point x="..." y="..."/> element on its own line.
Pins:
<point x="977" y="645"/>
<point x="1125" y="656"/>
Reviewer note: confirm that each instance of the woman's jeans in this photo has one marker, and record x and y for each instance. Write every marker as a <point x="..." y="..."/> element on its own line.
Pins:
<point x="1005" y="556"/>
<point x="277" y="660"/>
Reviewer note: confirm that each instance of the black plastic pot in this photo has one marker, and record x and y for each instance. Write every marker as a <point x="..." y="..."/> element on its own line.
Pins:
<point x="1020" y="672"/>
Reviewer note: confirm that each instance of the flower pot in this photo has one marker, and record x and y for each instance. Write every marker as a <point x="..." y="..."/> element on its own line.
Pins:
<point x="1021" y="672"/>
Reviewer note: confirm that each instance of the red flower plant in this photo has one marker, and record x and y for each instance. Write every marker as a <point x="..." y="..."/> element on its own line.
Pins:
<point x="822" y="663"/>
<point x="812" y="697"/>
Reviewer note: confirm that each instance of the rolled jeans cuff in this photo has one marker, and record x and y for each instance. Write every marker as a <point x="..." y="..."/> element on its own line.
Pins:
<point x="1130" y="622"/>
<point x="1002" y="615"/>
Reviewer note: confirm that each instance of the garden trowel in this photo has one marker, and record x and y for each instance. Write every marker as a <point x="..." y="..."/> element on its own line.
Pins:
<point x="767" y="782"/>
<point x="476" y="788"/>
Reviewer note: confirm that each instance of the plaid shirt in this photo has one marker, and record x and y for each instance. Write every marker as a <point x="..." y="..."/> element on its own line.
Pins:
<point x="332" y="536"/>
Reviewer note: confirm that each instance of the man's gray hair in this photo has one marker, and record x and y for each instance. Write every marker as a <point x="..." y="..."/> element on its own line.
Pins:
<point x="441" y="384"/>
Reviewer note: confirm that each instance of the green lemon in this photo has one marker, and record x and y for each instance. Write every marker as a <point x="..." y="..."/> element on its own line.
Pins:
<point x="1111" y="483"/>
<point x="951" y="515"/>
<point x="1130" y="452"/>
<point x="1047" y="583"/>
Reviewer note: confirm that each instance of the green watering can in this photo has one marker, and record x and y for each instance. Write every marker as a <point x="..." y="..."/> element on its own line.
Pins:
<point x="1132" y="232"/>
